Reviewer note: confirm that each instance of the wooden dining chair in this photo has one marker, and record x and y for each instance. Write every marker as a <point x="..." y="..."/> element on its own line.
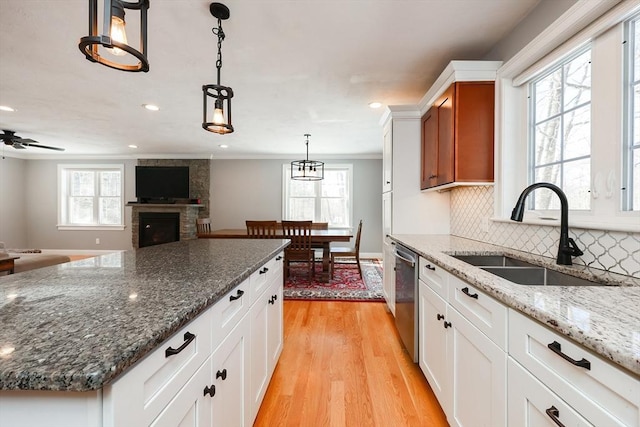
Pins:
<point x="203" y="225"/>
<point x="342" y="252"/>
<point x="261" y="229"/>
<point x="300" y="249"/>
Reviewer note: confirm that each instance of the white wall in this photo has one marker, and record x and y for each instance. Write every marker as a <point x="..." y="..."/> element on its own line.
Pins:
<point x="13" y="221"/>
<point x="41" y="192"/>
<point x="252" y="189"/>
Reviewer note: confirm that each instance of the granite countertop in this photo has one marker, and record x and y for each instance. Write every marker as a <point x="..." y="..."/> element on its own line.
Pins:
<point x="604" y="319"/>
<point x="77" y="326"/>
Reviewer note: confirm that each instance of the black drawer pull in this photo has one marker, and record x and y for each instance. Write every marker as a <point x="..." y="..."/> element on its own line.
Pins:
<point x="211" y="391"/>
<point x="447" y="325"/>
<point x="440" y="316"/>
<point x="222" y="374"/>
<point x="264" y="270"/>
<point x="557" y="349"/>
<point x="188" y="337"/>
<point x="466" y="292"/>
<point x="554" y="414"/>
<point x="430" y="267"/>
<point x="271" y="300"/>
<point x="238" y="295"/>
<point x="278" y="258"/>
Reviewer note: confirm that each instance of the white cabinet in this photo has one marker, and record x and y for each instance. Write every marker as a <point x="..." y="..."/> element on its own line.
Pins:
<point x="465" y="368"/>
<point x="387" y="158"/>
<point x="388" y="260"/>
<point x="600" y="392"/>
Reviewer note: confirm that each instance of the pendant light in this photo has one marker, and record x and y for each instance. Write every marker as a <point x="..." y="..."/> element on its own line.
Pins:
<point x="116" y="52"/>
<point x="307" y="170"/>
<point x="217" y="95"/>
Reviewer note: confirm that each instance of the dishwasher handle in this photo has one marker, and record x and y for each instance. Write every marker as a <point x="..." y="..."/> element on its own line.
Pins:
<point x="412" y="262"/>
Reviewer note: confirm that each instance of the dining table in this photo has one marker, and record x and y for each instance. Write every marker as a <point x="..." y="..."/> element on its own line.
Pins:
<point x="319" y="238"/>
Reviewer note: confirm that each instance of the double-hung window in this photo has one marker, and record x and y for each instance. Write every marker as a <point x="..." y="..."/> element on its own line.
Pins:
<point x="631" y="158"/>
<point x="91" y="196"/>
<point x="560" y="132"/>
<point x="328" y="200"/>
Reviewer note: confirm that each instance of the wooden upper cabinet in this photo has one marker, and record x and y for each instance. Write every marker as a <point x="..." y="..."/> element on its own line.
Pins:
<point x="457" y="136"/>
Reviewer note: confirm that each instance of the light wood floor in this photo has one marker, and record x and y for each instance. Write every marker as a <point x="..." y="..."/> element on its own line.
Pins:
<point x="343" y="365"/>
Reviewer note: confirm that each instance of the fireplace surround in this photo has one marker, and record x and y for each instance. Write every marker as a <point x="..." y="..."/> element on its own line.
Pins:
<point x="186" y="213"/>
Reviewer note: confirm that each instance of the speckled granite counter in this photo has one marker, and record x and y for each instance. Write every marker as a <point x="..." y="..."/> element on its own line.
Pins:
<point x="77" y="326"/>
<point x="604" y="319"/>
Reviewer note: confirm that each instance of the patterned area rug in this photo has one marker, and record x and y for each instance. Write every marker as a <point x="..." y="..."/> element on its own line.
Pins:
<point x="346" y="284"/>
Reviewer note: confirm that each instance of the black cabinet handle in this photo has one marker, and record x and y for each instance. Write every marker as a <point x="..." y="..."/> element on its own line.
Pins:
<point x="271" y="300"/>
<point x="430" y="267"/>
<point x="557" y="349"/>
<point x="211" y="391"/>
<point x="554" y="414"/>
<point x="222" y="374"/>
<point x="440" y="316"/>
<point x="447" y="325"/>
<point x="188" y="337"/>
<point x="238" y="295"/>
<point x="466" y="292"/>
<point x="278" y="258"/>
<point x="264" y="270"/>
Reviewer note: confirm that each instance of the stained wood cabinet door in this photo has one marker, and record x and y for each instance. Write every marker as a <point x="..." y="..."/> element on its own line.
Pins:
<point x="457" y="136"/>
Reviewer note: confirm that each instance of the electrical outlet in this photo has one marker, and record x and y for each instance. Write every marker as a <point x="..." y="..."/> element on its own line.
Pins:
<point x="97" y="240"/>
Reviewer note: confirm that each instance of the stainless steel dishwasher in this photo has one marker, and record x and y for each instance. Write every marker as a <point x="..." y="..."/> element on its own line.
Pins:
<point x="406" y="298"/>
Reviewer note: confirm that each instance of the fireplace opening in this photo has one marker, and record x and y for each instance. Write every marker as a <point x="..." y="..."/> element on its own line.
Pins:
<point x="158" y="227"/>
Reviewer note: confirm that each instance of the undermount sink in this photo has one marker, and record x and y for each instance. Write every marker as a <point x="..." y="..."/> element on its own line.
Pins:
<point x="524" y="273"/>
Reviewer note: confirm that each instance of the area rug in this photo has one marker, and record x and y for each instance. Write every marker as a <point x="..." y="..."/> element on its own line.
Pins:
<point x="346" y="284"/>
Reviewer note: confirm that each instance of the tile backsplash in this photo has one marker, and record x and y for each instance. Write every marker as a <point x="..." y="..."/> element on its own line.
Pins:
<point x="614" y="251"/>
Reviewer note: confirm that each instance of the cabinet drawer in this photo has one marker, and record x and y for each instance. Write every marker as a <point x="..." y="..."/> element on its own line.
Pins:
<point x="434" y="276"/>
<point x="228" y="311"/>
<point x="601" y="386"/>
<point x="483" y="311"/>
<point x="261" y="278"/>
<point x="532" y="404"/>
<point x="151" y="384"/>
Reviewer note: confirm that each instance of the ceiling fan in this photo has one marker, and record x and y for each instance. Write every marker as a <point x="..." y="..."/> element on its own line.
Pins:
<point x="9" y="137"/>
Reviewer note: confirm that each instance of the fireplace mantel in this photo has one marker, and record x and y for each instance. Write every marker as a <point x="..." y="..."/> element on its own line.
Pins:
<point x="188" y="214"/>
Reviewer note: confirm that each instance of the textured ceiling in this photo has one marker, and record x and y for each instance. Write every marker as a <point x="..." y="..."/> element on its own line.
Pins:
<point x="296" y="67"/>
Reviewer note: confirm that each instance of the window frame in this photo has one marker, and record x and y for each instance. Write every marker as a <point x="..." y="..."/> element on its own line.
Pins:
<point x="632" y="25"/>
<point x="286" y="178"/>
<point x="63" y="195"/>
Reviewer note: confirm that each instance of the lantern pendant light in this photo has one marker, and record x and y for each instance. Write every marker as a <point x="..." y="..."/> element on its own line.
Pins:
<point x="217" y="98"/>
<point x="116" y="52"/>
<point x="307" y="170"/>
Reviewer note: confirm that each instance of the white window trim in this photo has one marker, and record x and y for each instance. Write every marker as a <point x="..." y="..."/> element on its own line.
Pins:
<point x="65" y="227"/>
<point x="511" y="150"/>
<point x="286" y="174"/>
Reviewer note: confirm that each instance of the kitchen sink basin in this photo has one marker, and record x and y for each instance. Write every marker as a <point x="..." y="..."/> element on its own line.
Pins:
<point x="524" y="273"/>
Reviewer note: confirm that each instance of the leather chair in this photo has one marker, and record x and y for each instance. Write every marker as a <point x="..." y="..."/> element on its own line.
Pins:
<point x="342" y="252"/>
<point x="261" y="229"/>
<point x="300" y="249"/>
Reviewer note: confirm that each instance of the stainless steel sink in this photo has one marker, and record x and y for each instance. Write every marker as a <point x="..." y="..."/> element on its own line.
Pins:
<point x="524" y="273"/>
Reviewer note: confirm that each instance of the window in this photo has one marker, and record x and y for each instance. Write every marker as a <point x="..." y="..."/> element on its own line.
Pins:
<point x="631" y="158"/>
<point x="560" y="133"/>
<point x="91" y="196"/>
<point x="327" y="200"/>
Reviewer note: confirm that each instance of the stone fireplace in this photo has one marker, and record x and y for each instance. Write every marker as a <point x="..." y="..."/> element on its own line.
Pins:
<point x="185" y="214"/>
<point x="158" y="227"/>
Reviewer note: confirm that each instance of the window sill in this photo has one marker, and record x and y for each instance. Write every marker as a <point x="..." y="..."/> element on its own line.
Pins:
<point x="91" y="227"/>
<point x="620" y="224"/>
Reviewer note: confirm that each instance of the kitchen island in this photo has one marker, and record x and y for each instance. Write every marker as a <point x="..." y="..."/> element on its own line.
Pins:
<point x="526" y="354"/>
<point x="76" y="328"/>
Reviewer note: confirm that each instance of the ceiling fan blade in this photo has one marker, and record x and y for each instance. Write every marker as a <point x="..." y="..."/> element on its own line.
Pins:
<point x="23" y="140"/>
<point x="18" y="146"/>
<point x="42" y="146"/>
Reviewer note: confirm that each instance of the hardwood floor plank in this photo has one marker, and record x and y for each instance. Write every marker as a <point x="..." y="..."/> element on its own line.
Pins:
<point x="343" y="365"/>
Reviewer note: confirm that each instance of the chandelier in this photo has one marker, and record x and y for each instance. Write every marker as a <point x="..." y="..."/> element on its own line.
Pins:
<point x="215" y="94"/>
<point x="307" y="170"/>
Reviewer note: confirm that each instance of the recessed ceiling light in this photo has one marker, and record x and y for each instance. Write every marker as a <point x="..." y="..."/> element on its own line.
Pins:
<point x="223" y="146"/>
<point x="133" y="146"/>
<point x="375" y="105"/>
<point x="151" y="107"/>
<point x="6" y="108"/>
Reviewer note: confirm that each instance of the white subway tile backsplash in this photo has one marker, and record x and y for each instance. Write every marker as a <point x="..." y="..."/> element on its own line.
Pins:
<point x="614" y="251"/>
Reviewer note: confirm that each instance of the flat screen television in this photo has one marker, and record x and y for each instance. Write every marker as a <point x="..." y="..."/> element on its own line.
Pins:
<point x="162" y="183"/>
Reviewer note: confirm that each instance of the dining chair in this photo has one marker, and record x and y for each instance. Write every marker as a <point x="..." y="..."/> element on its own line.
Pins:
<point x="300" y="249"/>
<point x="342" y="252"/>
<point x="261" y="229"/>
<point x="203" y="225"/>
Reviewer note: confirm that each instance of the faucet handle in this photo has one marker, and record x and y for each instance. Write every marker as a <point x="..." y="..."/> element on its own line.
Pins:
<point x="573" y="248"/>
